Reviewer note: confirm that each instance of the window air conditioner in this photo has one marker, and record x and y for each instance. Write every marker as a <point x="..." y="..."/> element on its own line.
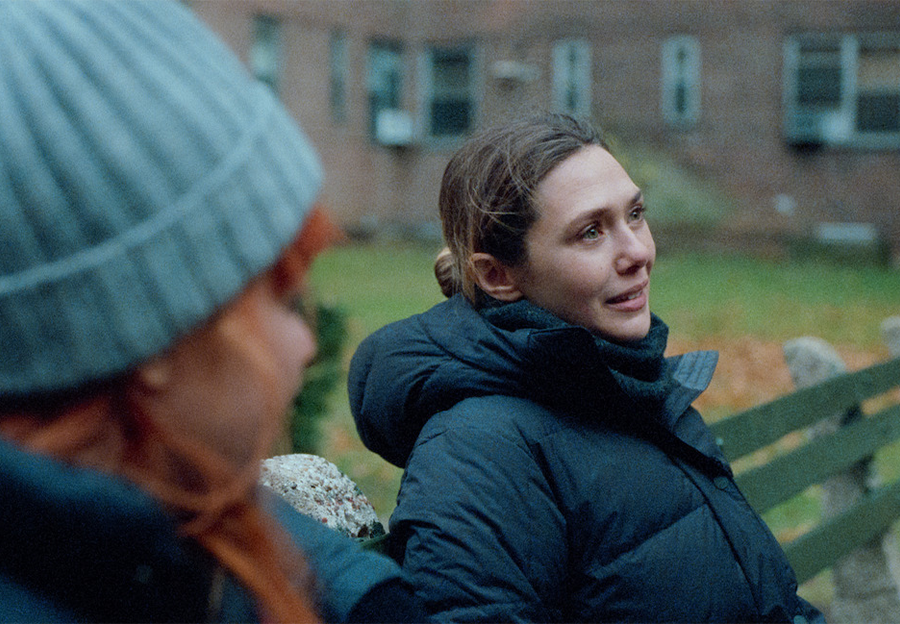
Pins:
<point x="818" y="127"/>
<point x="515" y="72"/>
<point x="394" y="128"/>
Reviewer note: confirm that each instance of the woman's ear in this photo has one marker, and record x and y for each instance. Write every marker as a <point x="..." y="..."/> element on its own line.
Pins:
<point x="494" y="278"/>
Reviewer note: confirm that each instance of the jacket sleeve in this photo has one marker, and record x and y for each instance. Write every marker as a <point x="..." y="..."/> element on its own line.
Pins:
<point x="355" y="585"/>
<point x="477" y="526"/>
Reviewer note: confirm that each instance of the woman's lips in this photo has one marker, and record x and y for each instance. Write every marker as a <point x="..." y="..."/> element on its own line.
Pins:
<point x="630" y="301"/>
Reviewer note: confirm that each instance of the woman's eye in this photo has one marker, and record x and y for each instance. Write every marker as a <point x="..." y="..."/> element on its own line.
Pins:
<point x="591" y="233"/>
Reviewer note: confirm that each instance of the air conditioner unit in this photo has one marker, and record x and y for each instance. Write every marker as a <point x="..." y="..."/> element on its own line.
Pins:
<point x="394" y="128"/>
<point x="514" y="72"/>
<point x="807" y="127"/>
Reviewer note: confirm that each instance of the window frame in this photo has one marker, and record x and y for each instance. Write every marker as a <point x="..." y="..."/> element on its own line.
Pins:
<point x="339" y="76"/>
<point x="267" y="50"/>
<point x="571" y="60"/>
<point x="835" y="124"/>
<point x="384" y="60"/>
<point x="681" y="80"/>
<point x="429" y="97"/>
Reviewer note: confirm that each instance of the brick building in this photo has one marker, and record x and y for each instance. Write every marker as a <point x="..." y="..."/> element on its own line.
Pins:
<point x="790" y="106"/>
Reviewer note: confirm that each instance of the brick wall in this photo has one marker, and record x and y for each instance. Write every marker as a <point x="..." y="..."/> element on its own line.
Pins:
<point x="738" y="140"/>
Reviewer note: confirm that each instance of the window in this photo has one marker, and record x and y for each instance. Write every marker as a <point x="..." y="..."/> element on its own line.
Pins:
<point x="681" y="81"/>
<point x="384" y="80"/>
<point x="265" y="53"/>
<point x="339" y="66"/>
<point x="878" y="87"/>
<point x="572" y="76"/>
<point x="449" y="91"/>
<point x="843" y="90"/>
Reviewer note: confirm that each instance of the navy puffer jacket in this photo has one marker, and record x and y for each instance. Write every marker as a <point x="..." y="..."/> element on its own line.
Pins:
<point x="535" y="491"/>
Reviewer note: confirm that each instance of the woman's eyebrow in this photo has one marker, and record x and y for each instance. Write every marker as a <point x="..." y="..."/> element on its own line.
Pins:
<point x="594" y="214"/>
<point x="578" y="222"/>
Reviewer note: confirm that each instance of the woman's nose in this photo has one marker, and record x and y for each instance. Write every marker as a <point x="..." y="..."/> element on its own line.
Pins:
<point x="636" y="250"/>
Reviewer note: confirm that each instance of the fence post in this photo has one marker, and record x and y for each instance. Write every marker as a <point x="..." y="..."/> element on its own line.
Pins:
<point x="864" y="588"/>
<point x="890" y="333"/>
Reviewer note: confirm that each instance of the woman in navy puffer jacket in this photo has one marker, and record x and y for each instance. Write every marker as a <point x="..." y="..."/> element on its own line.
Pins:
<point x="554" y="467"/>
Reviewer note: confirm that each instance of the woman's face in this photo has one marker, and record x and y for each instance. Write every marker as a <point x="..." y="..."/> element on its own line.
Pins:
<point x="590" y="252"/>
<point x="229" y="384"/>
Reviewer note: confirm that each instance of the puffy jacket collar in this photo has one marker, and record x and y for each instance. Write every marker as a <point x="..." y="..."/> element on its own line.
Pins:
<point x="692" y="373"/>
<point x="407" y="371"/>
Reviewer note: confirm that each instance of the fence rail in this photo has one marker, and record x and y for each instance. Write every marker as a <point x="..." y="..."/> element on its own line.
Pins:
<point x="839" y="440"/>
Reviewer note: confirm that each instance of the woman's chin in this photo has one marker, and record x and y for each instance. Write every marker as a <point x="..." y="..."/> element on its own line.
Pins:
<point x="626" y="330"/>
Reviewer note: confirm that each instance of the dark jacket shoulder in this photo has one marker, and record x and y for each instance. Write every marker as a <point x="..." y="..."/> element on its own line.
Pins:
<point x="79" y="545"/>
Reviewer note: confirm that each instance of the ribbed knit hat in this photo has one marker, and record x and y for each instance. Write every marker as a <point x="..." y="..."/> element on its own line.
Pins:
<point x="145" y="178"/>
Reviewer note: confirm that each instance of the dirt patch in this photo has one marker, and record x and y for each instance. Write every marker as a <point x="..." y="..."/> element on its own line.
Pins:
<point x="753" y="371"/>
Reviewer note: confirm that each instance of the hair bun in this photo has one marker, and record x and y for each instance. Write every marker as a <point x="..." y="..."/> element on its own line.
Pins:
<point x="445" y="272"/>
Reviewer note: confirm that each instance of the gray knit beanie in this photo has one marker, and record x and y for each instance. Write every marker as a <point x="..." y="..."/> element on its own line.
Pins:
<point x="145" y="178"/>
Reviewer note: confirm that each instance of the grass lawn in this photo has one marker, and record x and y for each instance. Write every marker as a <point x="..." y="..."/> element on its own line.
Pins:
<point x="742" y="307"/>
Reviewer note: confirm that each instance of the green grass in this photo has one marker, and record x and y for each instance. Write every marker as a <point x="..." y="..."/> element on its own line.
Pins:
<point x="699" y="296"/>
<point x="374" y="285"/>
<point x="377" y="284"/>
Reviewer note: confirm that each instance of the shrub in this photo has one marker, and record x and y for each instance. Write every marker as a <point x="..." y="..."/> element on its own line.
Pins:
<point x="311" y="404"/>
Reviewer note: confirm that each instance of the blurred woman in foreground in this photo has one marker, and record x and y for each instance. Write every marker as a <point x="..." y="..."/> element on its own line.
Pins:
<point x="157" y="219"/>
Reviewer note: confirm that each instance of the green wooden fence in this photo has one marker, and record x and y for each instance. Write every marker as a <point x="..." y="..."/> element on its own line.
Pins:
<point x="821" y="457"/>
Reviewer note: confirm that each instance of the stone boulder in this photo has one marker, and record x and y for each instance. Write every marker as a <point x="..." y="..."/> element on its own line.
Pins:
<point x="317" y="488"/>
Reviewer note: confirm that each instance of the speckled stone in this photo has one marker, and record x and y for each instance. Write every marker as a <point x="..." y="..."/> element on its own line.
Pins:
<point x="890" y="333"/>
<point x="317" y="488"/>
